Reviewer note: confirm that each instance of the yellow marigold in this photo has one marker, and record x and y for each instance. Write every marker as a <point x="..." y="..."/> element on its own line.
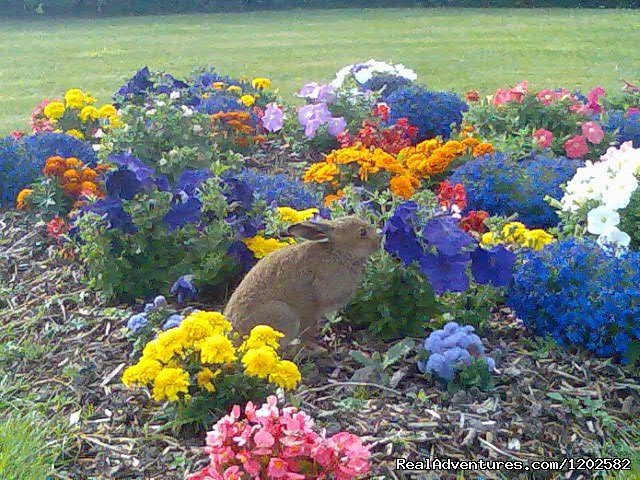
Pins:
<point x="107" y="111"/>
<point x="488" y="239"/>
<point x="321" y="172"/>
<point x="217" y="349"/>
<point x="234" y="89"/>
<point x="115" y="121"/>
<point x="388" y="163"/>
<point x="75" y="133"/>
<point x="471" y="142"/>
<point x="404" y="186"/>
<point x="260" y="336"/>
<point x="204" y="379"/>
<point x="537" y="239"/>
<point x="428" y="146"/>
<point x="195" y="328"/>
<point x="165" y="349"/>
<point x="261" y="247"/>
<point x="54" y="110"/>
<point x="514" y="231"/>
<point x="142" y="373"/>
<point x="286" y="375"/>
<point x="218" y="322"/>
<point x="260" y="362"/>
<point x="454" y="147"/>
<point x="483" y="149"/>
<point x="73" y="162"/>
<point x="169" y="383"/>
<point x="290" y="215"/>
<point x="74" y="98"/>
<point x="88" y="113"/>
<point x="247" y="100"/>
<point x="21" y="199"/>
<point x="88" y="99"/>
<point x="261" y="83"/>
<point x="218" y="85"/>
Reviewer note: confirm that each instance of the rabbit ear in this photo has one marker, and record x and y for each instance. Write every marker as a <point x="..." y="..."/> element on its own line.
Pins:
<point x="310" y="230"/>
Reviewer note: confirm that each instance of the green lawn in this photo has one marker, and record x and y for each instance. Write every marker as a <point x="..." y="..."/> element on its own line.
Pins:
<point x="450" y="49"/>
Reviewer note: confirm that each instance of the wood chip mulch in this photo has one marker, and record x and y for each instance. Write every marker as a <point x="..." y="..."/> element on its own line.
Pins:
<point x="546" y="403"/>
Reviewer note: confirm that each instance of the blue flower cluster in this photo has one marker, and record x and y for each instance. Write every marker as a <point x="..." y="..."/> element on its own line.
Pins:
<point x="385" y="83"/>
<point x="444" y="251"/>
<point x="433" y="113"/>
<point x="451" y="349"/>
<point x="158" y="306"/>
<point x="145" y="83"/>
<point x="279" y="189"/>
<point x="580" y="295"/>
<point x="503" y="186"/>
<point x="21" y="161"/>
<point x="627" y="126"/>
<point x="16" y="171"/>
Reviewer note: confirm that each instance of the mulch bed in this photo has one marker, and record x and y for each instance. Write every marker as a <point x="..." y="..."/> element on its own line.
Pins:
<point x="119" y="434"/>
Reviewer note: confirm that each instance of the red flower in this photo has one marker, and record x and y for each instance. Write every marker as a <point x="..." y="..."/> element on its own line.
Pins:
<point x="381" y="110"/>
<point x="472" y="96"/>
<point x="57" y="227"/>
<point x="452" y="195"/>
<point x="474" y="221"/>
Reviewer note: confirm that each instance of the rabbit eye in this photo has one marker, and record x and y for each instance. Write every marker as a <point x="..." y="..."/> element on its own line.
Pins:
<point x="363" y="232"/>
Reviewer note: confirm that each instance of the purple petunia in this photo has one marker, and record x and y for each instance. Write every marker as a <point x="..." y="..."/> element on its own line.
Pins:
<point x="182" y="213"/>
<point x="445" y="234"/>
<point x="494" y="267"/>
<point x="273" y="118"/>
<point x="184" y="288"/>
<point x="446" y="273"/>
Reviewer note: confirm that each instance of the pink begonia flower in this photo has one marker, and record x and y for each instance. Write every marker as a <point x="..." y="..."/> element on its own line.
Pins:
<point x="593" y="132"/>
<point x="273" y="118"/>
<point x="514" y="94"/>
<point x="277" y="468"/>
<point x="501" y="96"/>
<point x="576" y="147"/>
<point x="632" y="111"/>
<point x="264" y="439"/>
<point x="519" y="91"/>
<point x="544" y="138"/>
<point x="232" y="473"/>
<point x="546" y="96"/>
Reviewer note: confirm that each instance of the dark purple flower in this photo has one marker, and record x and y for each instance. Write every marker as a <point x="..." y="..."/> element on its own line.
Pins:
<point x="190" y="180"/>
<point x="123" y="184"/>
<point x="400" y="237"/>
<point x="182" y="213"/>
<point x="128" y="161"/>
<point x="445" y="234"/>
<point x="111" y="210"/>
<point x="238" y="192"/>
<point x="242" y="255"/>
<point x="446" y="273"/>
<point x="184" y="288"/>
<point x="494" y="266"/>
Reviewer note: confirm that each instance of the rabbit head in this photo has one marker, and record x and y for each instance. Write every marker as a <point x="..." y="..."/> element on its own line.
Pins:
<point x="350" y="235"/>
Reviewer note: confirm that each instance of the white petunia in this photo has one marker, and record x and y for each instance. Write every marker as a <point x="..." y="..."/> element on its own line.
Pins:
<point x="186" y="111"/>
<point x="614" y="237"/>
<point x="601" y="220"/>
<point x="618" y="192"/>
<point x="174" y="95"/>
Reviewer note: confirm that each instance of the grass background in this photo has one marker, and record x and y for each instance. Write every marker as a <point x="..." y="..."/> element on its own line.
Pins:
<point x="456" y="49"/>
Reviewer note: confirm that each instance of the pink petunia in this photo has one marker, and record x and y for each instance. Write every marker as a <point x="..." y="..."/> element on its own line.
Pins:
<point x="576" y="147"/>
<point x="501" y="96"/>
<point x="543" y="138"/>
<point x="632" y="111"/>
<point x="593" y="132"/>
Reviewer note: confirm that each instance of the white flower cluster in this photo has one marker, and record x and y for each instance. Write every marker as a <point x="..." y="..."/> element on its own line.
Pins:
<point x="363" y="72"/>
<point x="605" y="186"/>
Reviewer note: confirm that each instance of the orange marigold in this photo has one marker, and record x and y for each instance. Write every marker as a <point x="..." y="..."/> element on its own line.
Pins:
<point x="54" y="166"/>
<point x="483" y="149"/>
<point x="102" y="168"/>
<point x="21" y="199"/>
<point x="73" y="162"/>
<point x="471" y="142"/>
<point x="321" y="172"/>
<point x="329" y="199"/>
<point x="72" y="189"/>
<point x="404" y="186"/>
<point x="71" y="176"/>
<point x="88" y="188"/>
<point x="454" y="147"/>
<point x="88" y="174"/>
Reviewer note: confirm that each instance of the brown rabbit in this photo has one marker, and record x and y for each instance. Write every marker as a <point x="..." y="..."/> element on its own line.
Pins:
<point x="292" y="288"/>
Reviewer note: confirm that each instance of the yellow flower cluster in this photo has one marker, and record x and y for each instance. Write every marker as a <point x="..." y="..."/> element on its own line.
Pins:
<point x="290" y="215"/>
<point x="82" y="105"/>
<point x="261" y="83"/>
<point x="515" y="233"/>
<point x="201" y="341"/>
<point x="261" y="246"/>
<point x="406" y="169"/>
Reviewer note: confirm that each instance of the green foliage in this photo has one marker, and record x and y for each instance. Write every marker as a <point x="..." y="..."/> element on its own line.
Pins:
<point x="25" y="453"/>
<point x="630" y="220"/>
<point x="163" y="137"/>
<point x="476" y="374"/>
<point x="148" y="261"/>
<point x="473" y="307"/>
<point x="393" y="301"/>
<point x="375" y="367"/>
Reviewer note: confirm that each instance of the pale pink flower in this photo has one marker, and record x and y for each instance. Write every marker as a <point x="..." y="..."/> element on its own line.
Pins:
<point x="576" y="147"/>
<point x="544" y="138"/>
<point x="593" y="132"/>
